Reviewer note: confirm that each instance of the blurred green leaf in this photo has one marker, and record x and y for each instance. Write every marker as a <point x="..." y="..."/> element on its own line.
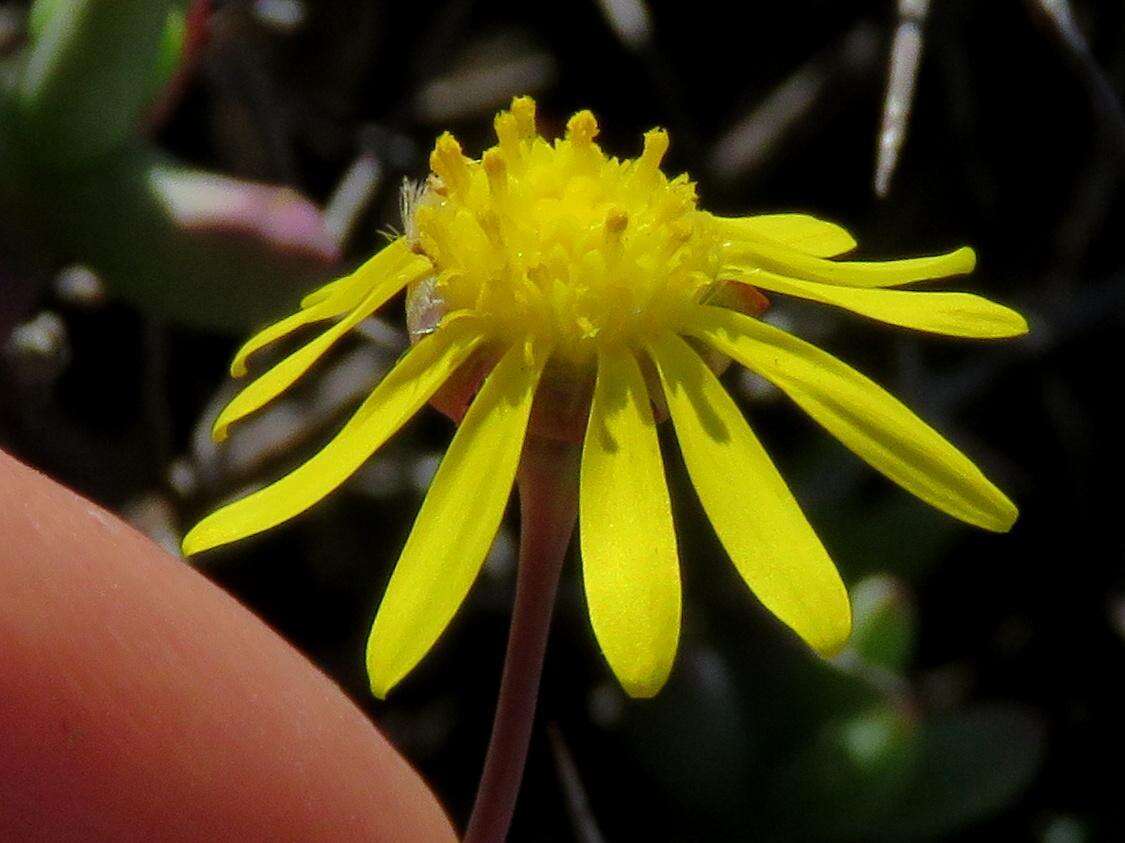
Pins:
<point x="90" y="71"/>
<point x="40" y="12"/>
<point x="884" y="622"/>
<point x="170" y="52"/>
<point x="788" y="690"/>
<point x="171" y="46"/>
<point x="974" y="763"/>
<point x="7" y="142"/>
<point x="694" y="736"/>
<point x="183" y="244"/>
<point x="841" y="781"/>
<point x="882" y="774"/>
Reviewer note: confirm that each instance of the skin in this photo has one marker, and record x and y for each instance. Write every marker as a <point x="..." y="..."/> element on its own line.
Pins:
<point x="139" y="701"/>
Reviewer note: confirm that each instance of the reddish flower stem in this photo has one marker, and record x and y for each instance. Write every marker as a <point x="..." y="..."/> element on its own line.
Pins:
<point x="548" y="489"/>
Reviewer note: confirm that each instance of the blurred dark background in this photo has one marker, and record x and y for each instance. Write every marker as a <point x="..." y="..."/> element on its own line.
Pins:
<point x="981" y="698"/>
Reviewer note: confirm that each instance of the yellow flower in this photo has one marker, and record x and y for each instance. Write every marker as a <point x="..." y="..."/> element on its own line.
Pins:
<point x="567" y="272"/>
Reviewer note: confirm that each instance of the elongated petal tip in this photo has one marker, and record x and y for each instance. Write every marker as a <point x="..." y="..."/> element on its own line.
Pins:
<point x="834" y="637"/>
<point x="994" y="512"/>
<point x="965" y="260"/>
<point x="221" y="428"/>
<point x="380" y="686"/>
<point x="195" y="542"/>
<point x="986" y="320"/>
<point x="384" y="670"/>
<point x="801" y="232"/>
<point x="214" y="531"/>
<point x="643" y="682"/>
<point x="1020" y="327"/>
<point x="1003" y="518"/>
<point x="827" y="629"/>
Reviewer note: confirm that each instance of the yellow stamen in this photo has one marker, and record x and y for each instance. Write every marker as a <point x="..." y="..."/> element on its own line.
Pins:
<point x="560" y="241"/>
<point x="523" y="109"/>
<point x="497" y="172"/>
<point x="447" y="161"/>
<point x="582" y="128"/>
<point x="656" y="144"/>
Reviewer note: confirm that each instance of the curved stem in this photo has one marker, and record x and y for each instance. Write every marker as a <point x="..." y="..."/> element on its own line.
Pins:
<point x="548" y="489"/>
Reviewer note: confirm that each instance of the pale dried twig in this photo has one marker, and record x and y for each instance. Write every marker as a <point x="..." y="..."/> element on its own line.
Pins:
<point x="746" y="145"/>
<point x="906" y="55"/>
<point x="1058" y="16"/>
<point x="577" y="802"/>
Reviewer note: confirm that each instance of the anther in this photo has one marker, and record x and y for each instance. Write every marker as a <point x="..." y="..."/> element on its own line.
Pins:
<point x="582" y="128"/>
<point x="615" y="222"/>
<point x="656" y="144"/>
<point x="489" y="222"/>
<point x="508" y="134"/>
<point x="447" y="161"/>
<point x="680" y="231"/>
<point x="523" y="109"/>
<point x="497" y="171"/>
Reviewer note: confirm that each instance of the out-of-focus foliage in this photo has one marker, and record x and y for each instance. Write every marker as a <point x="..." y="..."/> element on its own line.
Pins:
<point x="168" y="237"/>
<point x="87" y="76"/>
<point x="884" y="622"/>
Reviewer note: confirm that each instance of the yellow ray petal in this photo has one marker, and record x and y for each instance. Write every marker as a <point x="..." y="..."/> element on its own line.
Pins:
<point x="749" y="256"/>
<point x="331" y="300"/>
<point x="754" y="513"/>
<point x="456" y="524"/>
<point x="400" y="394"/>
<point x="267" y="387"/>
<point x="797" y="231"/>
<point x="328" y="291"/>
<point x="345" y="293"/>
<point x="862" y="415"/>
<point x="629" y="560"/>
<point x="952" y="314"/>
<point x="283" y="328"/>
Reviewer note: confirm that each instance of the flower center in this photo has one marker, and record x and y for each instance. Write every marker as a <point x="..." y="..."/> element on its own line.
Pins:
<point x="557" y="242"/>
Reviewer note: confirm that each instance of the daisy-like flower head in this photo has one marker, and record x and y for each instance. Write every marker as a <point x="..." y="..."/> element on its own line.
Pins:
<point x="552" y="276"/>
